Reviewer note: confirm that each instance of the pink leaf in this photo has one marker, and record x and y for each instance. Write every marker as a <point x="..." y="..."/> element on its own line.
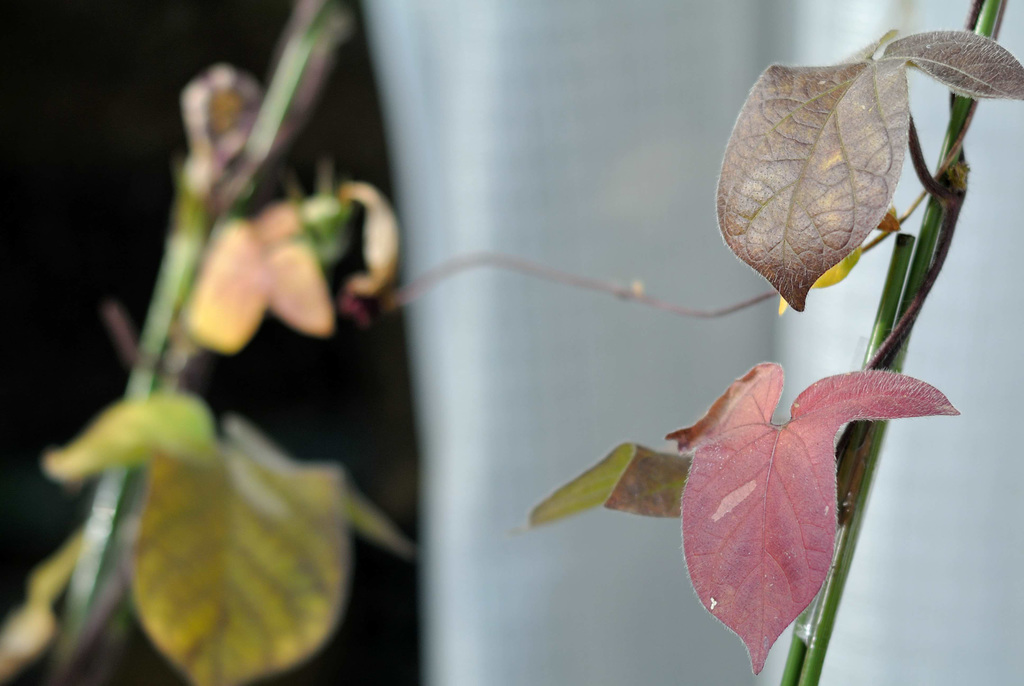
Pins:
<point x="759" y="508"/>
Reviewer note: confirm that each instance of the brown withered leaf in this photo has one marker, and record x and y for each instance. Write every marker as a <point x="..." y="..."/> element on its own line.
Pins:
<point x="811" y="168"/>
<point x="631" y="478"/>
<point x="963" y="61"/>
<point x="219" y="108"/>
<point x="652" y="484"/>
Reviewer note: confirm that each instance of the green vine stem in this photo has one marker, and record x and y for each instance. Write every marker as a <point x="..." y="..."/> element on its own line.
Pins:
<point x="884" y="320"/>
<point x="316" y="28"/>
<point x="117" y="488"/>
<point x="861" y="446"/>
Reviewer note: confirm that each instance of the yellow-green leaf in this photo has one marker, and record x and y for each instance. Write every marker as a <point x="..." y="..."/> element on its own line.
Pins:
<point x="373" y="525"/>
<point x="241" y="564"/>
<point x="131" y="431"/>
<point x="363" y="516"/>
<point x="631" y="478"/>
<point x="28" y="630"/>
<point x="831" y="277"/>
<point x="839" y="271"/>
<point x="589" y="489"/>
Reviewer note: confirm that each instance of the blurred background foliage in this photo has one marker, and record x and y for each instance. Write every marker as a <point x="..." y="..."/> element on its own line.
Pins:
<point x="91" y="123"/>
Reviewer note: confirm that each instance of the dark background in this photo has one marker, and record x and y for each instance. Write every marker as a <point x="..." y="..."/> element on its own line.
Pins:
<point x="89" y="125"/>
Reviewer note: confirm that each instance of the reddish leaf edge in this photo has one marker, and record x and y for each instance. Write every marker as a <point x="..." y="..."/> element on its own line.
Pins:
<point x="901" y="396"/>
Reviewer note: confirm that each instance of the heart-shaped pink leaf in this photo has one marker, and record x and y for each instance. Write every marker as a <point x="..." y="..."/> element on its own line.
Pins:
<point x="759" y="507"/>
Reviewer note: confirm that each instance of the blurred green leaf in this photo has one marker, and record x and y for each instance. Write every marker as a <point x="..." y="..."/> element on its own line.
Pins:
<point x="129" y="432"/>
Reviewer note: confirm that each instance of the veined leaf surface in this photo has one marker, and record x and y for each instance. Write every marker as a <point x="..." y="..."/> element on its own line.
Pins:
<point x="811" y="168"/>
<point x="241" y="567"/>
<point x="759" y="508"/>
<point x="963" y="61"/>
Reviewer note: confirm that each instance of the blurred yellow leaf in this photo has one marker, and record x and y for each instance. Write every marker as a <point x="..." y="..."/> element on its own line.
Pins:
<point x="278" y="222"/>
<point x="299" y="294"/>
<point x="363" y="516"/>
<point x="251" y="266"/>
<point x="231" y="292"/>
<point x="241" y="564"/>
<point x="29" y="629"/>
<point x="129" y="432"/>
<point x="833" y="276"/>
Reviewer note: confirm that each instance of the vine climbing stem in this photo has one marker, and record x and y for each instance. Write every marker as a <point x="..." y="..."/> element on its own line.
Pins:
<point x="860" y="446"/>
<point x="98" y="574"/>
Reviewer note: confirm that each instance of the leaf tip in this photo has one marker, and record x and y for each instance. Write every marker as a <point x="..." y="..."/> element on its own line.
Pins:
<point x="758" y="658"/>
<point x="51" y="464"/>
<point x="796" y="299"/>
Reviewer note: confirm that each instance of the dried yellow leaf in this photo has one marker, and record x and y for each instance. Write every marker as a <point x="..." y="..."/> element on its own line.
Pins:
<point x="299" y="294"/>
<point x="232" y="291"/>
<point x="278" y="222"/>
<point x="380" y="241"/>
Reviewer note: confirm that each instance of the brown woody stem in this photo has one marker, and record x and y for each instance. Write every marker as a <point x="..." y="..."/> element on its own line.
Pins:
<point x="457" y="265"/>
<point x="122" y="332"/>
